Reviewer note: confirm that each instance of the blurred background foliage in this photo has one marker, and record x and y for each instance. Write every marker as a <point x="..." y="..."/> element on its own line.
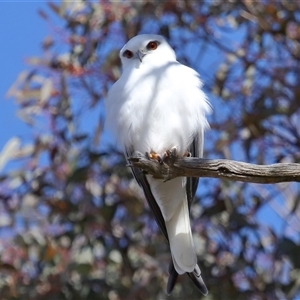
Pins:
<point x="74" y="224"/>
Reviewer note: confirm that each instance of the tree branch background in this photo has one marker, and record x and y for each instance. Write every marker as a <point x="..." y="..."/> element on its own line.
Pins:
<point x="86" y="232"/>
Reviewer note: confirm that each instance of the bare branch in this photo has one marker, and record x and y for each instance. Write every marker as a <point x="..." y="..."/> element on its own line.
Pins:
<point x="217" y="168"/>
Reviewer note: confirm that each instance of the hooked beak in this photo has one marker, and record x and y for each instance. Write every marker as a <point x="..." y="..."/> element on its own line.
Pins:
<point x="140" y="55"/>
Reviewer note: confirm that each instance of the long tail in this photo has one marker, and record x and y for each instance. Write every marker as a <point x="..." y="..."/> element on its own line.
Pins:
<point x="172" y="199"/>
<point x="181" y="240"/>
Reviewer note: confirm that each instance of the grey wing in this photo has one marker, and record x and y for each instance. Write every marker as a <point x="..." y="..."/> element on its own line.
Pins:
<point x="141" y="179"/>
<point x="196" y="150"/>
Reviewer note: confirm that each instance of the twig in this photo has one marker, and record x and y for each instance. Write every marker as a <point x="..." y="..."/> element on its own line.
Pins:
<point x="217" y="168"/>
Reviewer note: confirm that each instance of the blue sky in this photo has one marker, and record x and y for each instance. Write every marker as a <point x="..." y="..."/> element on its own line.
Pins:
<point x="21" y="32"/>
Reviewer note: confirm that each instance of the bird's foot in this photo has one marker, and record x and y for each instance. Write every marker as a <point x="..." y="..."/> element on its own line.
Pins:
<point x="170" y="154"/>
<point x="155" y="156"/>
<point x="173" y="154"/>
<point x="187" y="154"/>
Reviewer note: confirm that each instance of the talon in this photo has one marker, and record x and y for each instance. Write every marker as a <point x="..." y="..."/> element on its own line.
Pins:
<point x="174" y="152"/>
<point x="166" y="154"/>
<point x="187" y="154"/>
<point x="170" y="154"/>
<point x="154" y="155"/>
<point x="147" y="154"/>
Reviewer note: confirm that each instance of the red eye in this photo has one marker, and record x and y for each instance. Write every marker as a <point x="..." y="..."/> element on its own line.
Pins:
<point x="127" y="54"/>
<point x="152" y="45"/>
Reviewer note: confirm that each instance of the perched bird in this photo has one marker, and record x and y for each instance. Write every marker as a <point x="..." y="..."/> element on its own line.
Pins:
<point x="157" y="107"/>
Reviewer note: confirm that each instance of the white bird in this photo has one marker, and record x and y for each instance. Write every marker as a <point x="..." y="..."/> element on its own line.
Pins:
<point x="157" y="107"/>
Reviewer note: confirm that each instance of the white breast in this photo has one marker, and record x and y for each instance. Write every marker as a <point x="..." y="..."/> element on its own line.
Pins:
<point x="158" y="109"/>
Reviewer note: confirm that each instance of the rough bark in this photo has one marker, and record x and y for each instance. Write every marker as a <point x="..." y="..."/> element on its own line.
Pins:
<point x="216" y="168"/>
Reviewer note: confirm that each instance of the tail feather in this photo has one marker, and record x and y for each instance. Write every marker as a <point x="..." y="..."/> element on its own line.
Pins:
<point x="195" y="276"/>
<point x="171" y="198"/>
<point x="181" y="240"/>
<point x="172" y="278"/>
<point x="198" y="281"/>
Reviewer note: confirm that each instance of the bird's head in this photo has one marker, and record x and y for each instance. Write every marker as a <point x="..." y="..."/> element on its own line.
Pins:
<point x="146" y="49"/>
